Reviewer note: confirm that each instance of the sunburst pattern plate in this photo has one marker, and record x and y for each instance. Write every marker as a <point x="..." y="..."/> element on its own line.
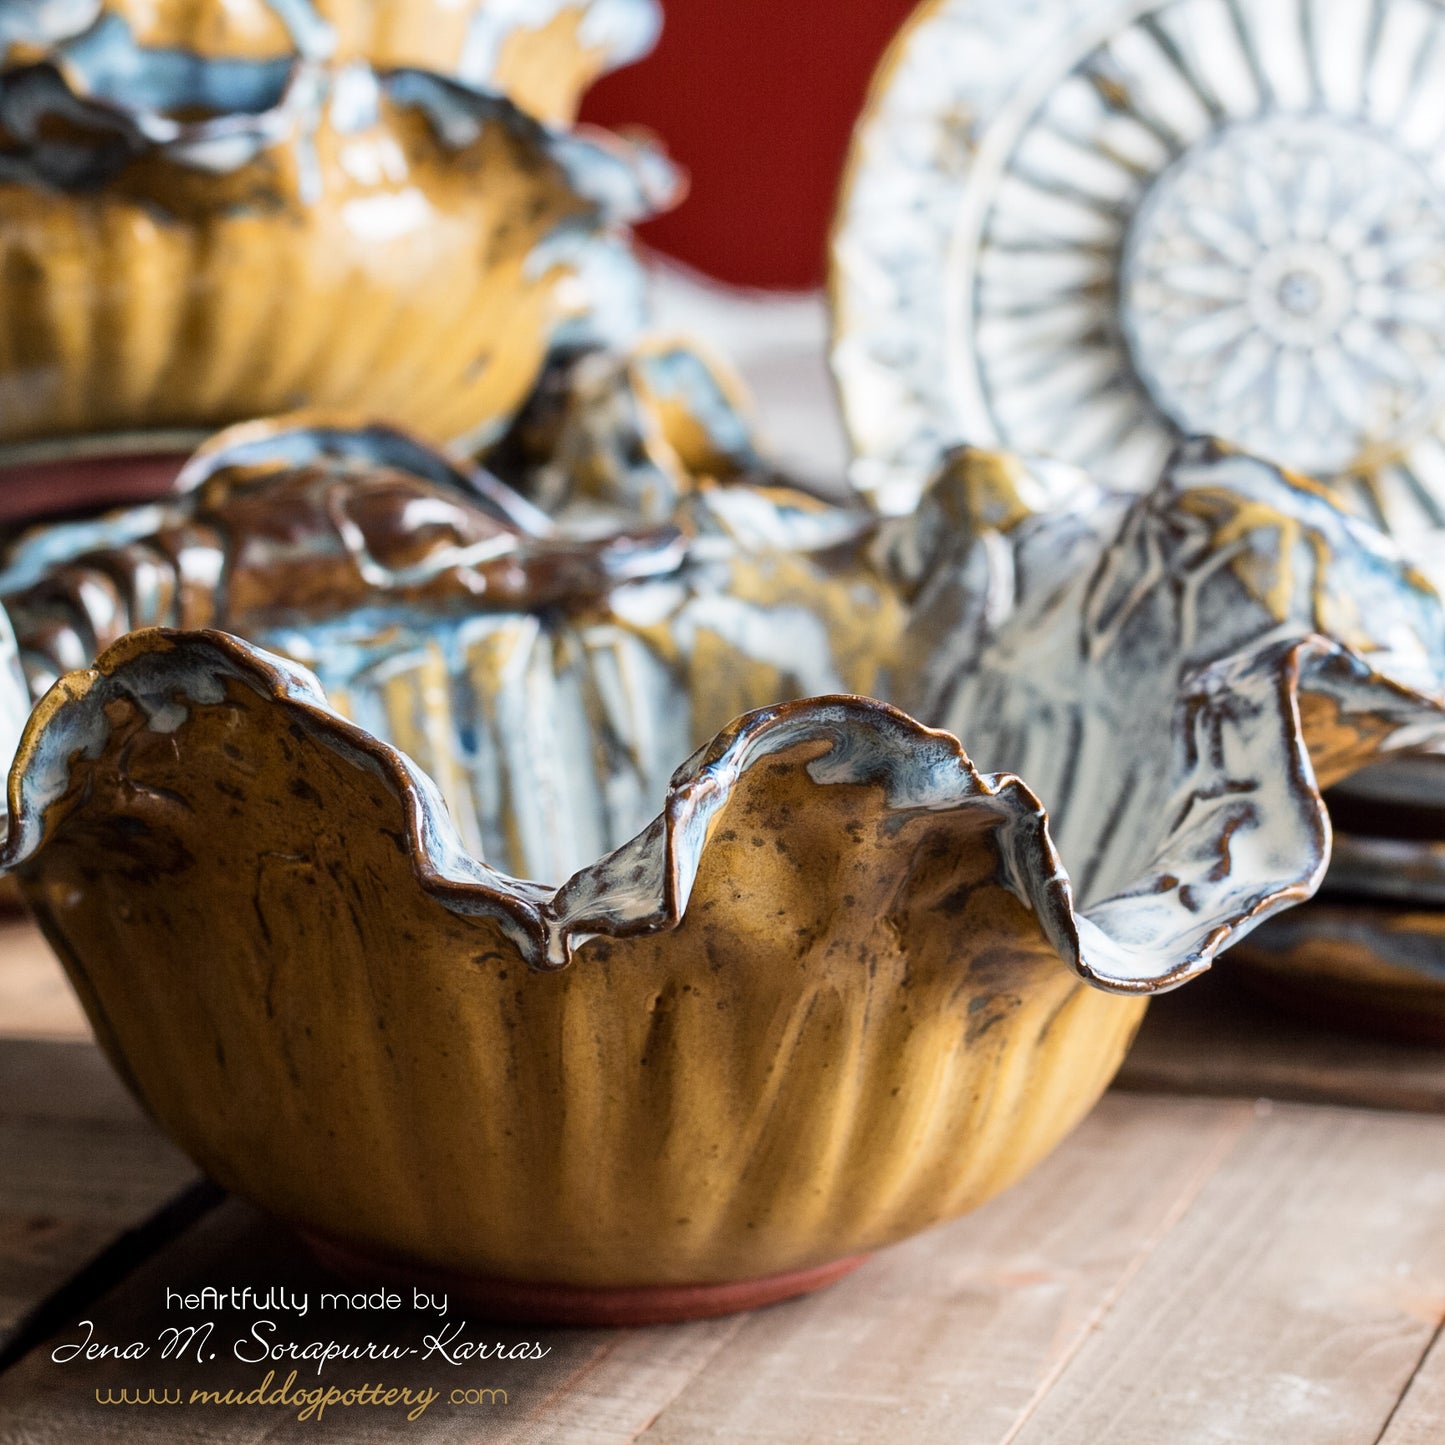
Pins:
<point x="1084" y="229"/>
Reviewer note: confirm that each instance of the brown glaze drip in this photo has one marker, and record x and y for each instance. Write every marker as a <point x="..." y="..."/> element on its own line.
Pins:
<point x="260" y="545"/>
<point x="318" y="541"/>
<point x="82" y="606"/>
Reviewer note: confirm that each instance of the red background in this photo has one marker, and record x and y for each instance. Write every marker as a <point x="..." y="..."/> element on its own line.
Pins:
<point x="756" y="99"/>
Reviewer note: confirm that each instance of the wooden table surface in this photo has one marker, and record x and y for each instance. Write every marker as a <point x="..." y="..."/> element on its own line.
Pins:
<point x="1245" y="1242"/>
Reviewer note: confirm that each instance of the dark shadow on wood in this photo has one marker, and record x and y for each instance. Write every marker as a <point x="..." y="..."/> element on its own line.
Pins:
<point x="113" y="1264"/>
<point x="1215" y="1038"/>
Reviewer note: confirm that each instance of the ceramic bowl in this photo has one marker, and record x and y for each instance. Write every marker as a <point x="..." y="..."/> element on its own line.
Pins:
<point x="630" y="434"/>
<point x="421" y="594"/>
<point x="1390" y="832"/>
<point x="1406" y="870"/>
<point x="393" y="242"/>
<point x="541" y="54"/>
<point x="1368" y="954"/>
<point x="1089" y="230"/>
<point x="840" y="987"/>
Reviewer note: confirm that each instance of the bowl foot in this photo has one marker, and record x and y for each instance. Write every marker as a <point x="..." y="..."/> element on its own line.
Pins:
<point x="526" y="1302"/>
<point x="51" y="483"/>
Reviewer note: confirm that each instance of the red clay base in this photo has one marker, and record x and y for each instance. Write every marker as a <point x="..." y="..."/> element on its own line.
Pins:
<point x="53" y="486"/>
<point x="519" y="1302"/>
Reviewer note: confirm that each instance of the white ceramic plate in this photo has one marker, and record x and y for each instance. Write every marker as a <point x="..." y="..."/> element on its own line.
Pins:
<point x="1081" y="229"/>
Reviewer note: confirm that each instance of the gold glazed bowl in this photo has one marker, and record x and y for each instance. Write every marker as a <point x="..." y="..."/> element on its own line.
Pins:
<point x="541" y="54"/>
<point x="268" y="236"/>
<point x="840" y="987"/>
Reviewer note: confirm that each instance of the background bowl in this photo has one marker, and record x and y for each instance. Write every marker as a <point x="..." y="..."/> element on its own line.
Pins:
<point x="542" y="55"/>
<point x="1354" y="963"/>
<point x="396" y="244"/>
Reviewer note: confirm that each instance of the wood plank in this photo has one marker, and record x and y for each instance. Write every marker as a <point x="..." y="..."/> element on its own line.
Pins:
<point x="1213" y="1038"/>
<point x="36" y="1001"/>
<point x="1294" y="1301"/>
<point x="1419" y="1418"/>
<point x="1199" y="1270"/>
<point x="62" y="1082"/>
<point x="947" y="1339"/>
<point x="81" y="1164"/>
<point x="957" y="1328"/>
<point x="593" y="1387"/>
<point x="1180" y="1270"/>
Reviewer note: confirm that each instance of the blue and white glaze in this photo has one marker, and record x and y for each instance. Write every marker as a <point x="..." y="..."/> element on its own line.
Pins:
<point x="1084" y="229"/>
<point x="99" y="53"/>
<point x="549" y="685"/>
<point x="641" y="887"/>
<point x="1144" y="682"/>
<point x="1139" y="663"/>
<point x="267" y="105"/>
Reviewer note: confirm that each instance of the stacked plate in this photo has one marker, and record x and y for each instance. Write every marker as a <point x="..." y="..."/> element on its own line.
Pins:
<point x="1084" y="230"/>
<point x="1369" y="952"/>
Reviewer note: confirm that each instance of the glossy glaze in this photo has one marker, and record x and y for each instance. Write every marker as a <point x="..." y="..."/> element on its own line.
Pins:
<point x="706" y="1093"/>
<point x="542" y="54"/>
<point x="836" y="990"/>
<point x="393" y="243"/>
<point x="549" y="685"/>
<point x="1360" y="964"/>
<point x="1153" y="666"/>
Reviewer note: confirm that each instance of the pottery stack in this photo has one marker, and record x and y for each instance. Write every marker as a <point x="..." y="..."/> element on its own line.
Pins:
<point x="215" y="212"/>
<point x="671" y="967"/>
<point x="1369" y="951"/>
<point x="511" y="832"/>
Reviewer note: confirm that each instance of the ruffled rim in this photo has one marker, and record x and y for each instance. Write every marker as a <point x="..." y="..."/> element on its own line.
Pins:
<point x="280" y="103"/>
<point x="643" y="887"/>
<point x="621" y="31"/>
